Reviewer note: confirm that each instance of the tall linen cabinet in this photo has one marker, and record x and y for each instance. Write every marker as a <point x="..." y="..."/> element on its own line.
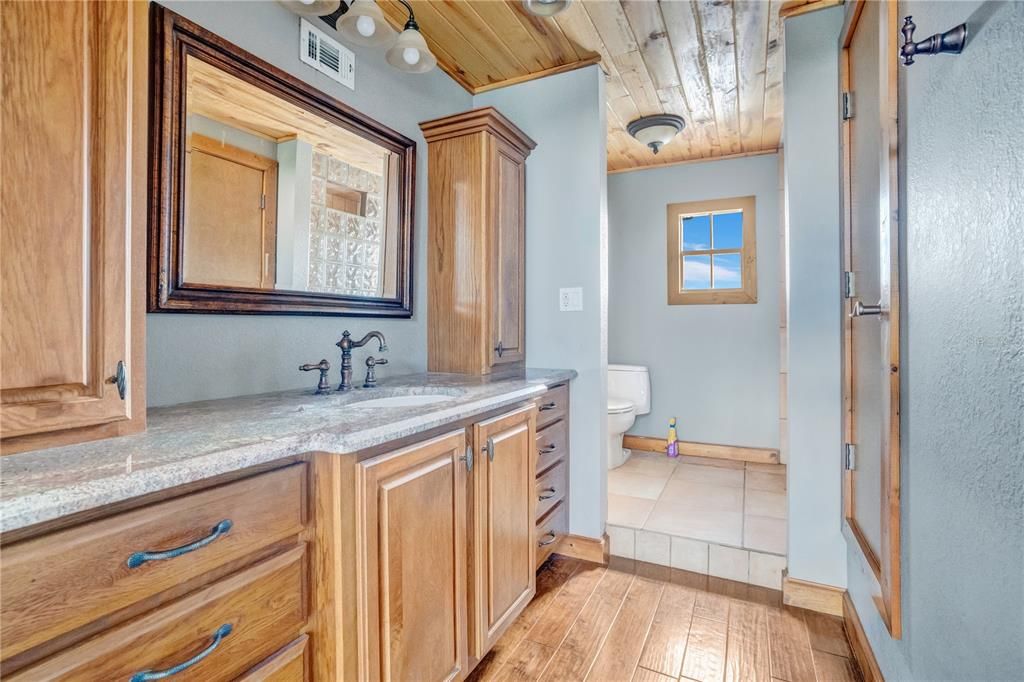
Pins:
<point x="476" y="254"/>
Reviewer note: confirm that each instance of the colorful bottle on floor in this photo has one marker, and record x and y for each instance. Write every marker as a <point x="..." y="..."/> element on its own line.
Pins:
<point x="672" y="443"/>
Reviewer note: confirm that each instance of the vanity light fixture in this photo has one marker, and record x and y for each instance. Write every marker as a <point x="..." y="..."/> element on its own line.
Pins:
<point x="656" y="131"/>
<point x="410" y="52"/>
<point x="546" y="8"/>
<point x="364" y="24"/>
<point x="312" y="8"/>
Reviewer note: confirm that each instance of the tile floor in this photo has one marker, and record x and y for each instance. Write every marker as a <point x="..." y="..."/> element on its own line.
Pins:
<point x="646" y="623"/>
<point x="717" y="517"/>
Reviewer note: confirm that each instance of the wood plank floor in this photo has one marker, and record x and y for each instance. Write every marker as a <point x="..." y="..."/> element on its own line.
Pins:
<point x="636" y="622"/>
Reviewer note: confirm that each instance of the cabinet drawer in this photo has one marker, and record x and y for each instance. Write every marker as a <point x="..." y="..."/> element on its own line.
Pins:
<point x="550" y="531"/>
<point x="286" y="665"/>
<point x="217" y="632"/>
<point x="553" y="405"/>
<point x="552" y="445"/>
<point x="58" y="582"/>
<point x="550" y="489"/>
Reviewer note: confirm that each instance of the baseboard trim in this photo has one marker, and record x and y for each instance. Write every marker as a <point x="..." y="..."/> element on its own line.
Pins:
<point x="587" y="549"/>
<point x="735" y="453"/>
<point x="813" y="596"/>
<point x="862" y="652"/>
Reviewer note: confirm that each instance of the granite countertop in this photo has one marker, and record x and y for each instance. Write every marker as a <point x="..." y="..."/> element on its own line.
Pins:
<point x="194" y="441"/>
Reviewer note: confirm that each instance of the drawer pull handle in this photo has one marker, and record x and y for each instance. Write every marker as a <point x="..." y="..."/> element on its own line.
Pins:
<point x="548" y="449"/>
<point x="548" y="406"/>
<point x="545" y="543"/>
<point x="151" y="675"/>
<point x="139" y="558"/>
<point x="551" y="492"/>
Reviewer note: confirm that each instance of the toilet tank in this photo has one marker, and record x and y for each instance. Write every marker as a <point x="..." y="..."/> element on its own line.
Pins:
<point x="633" y="383"/>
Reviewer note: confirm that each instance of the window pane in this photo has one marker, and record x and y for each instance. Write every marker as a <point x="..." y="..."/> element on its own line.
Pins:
<point x="696" y="233"/>
<point x="727" y="271"/>
<point x="729" y="230"/>
<point x="696" y="272"/>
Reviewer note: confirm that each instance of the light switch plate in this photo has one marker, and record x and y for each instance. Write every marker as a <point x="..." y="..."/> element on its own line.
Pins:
<point x="570" y="299"/>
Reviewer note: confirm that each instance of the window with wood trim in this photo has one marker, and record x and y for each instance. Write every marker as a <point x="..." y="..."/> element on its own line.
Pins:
<point x="712" y="256"/>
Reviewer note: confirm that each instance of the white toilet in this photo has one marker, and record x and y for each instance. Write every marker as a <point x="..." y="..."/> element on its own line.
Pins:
<point x="629" y="394"/>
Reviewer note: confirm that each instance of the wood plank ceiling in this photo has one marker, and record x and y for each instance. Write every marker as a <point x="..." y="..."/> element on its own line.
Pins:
<point x="716" y="63"/>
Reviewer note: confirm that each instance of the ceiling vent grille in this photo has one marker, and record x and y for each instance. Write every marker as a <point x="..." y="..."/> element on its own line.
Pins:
<point x="327" y="55"/>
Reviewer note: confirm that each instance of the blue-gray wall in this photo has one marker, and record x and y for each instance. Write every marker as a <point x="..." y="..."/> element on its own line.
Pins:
<point x="194" y="357"/>
<point x="566" y="246"/>
<point x="713" y="367"/>
<point x="817" y="551"/>
<point x="962" y="157"/>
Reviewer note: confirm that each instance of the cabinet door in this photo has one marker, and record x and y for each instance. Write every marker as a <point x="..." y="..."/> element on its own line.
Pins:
<point x="504" y="504"/>
<point x="413" y="545"/>
<point x="508" y="323"/>
<point x="65" y="216"/>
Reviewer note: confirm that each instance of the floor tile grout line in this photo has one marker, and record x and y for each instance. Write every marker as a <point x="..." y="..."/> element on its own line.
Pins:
<point x="604" y="638"/>
<point x="579" y="565"/>
<point x="561" y="641"/>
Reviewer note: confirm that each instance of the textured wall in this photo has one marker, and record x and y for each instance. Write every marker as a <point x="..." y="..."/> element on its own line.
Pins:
<point x="962" y="163"/>
<point x="713" y="367"/>
<point x="811" y="90"/>
<point x="194" y="357"/>
<point x="566" y="246"/>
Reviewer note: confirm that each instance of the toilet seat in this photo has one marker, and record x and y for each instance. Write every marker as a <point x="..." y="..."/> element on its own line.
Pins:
<point x="619" y="405"/>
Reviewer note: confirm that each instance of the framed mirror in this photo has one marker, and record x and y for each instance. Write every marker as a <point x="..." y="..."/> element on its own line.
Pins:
<point x="267" y="195"/>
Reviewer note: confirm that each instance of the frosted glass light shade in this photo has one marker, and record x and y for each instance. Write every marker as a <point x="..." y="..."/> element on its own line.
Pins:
<point x="410" y="53"/>
<point x="656" y="131"/>
<point x="364" y="24"/>
<point x="312" y="8"/>
<point x="546" y="8"/>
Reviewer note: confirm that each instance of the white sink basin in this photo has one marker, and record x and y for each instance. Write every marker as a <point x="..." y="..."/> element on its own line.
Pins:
<point x="405" y="401"/>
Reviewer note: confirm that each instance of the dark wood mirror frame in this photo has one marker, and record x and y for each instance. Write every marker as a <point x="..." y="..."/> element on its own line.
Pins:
<point x="173" y="40"/>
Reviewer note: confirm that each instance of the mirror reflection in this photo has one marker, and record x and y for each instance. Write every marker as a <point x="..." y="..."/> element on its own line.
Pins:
<point x="279" y="198"/>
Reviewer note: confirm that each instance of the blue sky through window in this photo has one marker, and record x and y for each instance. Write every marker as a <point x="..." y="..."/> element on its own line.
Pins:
<point x="712" y="232"/>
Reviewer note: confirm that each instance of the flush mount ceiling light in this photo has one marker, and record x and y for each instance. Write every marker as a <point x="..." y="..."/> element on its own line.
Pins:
<point x="410" y="52"/>
<point x="364" y="24"/>
<point x="546" y="8"/>
<point x="656" y="131"/>
<point x="312" y="8"/>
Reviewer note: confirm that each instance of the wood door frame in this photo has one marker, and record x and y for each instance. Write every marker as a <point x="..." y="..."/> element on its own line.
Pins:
<point x="173" y="40"/>
<point x="884" y="568"/>
<point x="265" y="165"/>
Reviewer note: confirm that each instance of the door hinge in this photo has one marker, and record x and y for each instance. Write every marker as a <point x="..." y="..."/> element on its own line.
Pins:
<point x="263" y="201"/>
<point x="850" y="289"/>
<point x="850" y="458"/>
<point x="847" y="106"/>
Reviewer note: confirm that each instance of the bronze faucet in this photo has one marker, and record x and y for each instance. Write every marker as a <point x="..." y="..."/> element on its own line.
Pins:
<point x="346" y="345"/>
<point x="322" y="387"/>
<point x="371" y="372"/>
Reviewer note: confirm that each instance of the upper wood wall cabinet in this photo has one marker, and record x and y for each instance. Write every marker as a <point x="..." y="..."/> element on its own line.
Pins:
<point x="476" y="253"/>
<point x="73" y="221"/>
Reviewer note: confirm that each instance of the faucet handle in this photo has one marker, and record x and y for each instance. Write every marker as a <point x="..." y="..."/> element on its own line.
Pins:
<point x="371" y="375"/>
<point x="322" y="387"/>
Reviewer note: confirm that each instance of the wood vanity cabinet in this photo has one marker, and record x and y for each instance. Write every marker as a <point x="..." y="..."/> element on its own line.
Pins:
<point x="73" y="134"/>
<point x="216" y="578"/>
<point x="552" y="471"/>
<point x="476" y="256"/>
<point x="440" y="551"/>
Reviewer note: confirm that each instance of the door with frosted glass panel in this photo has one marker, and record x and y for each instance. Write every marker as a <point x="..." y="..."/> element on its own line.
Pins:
<point x="871" y="348"/>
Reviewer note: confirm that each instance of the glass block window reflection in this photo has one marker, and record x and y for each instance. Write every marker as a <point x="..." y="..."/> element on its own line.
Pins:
<point x="346" y="234"/>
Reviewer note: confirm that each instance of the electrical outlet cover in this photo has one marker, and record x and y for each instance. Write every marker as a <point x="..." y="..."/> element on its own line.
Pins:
<point x="570" y="299"/>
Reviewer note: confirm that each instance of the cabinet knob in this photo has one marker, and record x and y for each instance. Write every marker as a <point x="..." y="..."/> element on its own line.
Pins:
<point x="545" y="543"/>
<point x="120" y="379"/>
<point x="550" y="492"/>
<point x="499" y="349"/>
